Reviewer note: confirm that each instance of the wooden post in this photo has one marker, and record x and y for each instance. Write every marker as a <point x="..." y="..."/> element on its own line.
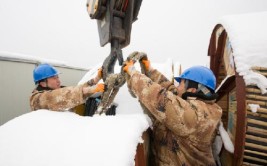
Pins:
<point x="240" y="120"/>
<point x="140" y="156"/>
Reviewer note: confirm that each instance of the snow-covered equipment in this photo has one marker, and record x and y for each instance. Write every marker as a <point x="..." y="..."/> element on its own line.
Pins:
<point x="238" y="56"/>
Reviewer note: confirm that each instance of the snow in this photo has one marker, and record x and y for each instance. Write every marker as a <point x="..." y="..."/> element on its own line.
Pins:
<point x="228" y="145"/>
<point x="248" y="38"/>
<point x="254" y="107"/>
<point x="46" y="138"/>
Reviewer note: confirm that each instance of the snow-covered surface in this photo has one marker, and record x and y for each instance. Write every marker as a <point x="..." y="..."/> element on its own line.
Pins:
<point x="248" y="38"/>
<point x="47" y="138"/>
<point x="4" y="55"/>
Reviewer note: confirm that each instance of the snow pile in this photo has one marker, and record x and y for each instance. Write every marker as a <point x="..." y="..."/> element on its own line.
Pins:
<point x="248" y="37"/>
<point x="46" y="138"/>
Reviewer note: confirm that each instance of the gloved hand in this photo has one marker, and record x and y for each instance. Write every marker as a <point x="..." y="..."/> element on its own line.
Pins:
<point x="129" y="67"/>
<point x="94" y="90"/>
<point x="100" y="87"/>
<point x="144" y="63"/>
<point x="99" y="72"/>
<point x="99" y="75"/>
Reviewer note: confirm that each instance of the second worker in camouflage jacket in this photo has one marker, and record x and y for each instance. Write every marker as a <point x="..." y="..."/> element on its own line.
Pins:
<point x="183" y="129"/>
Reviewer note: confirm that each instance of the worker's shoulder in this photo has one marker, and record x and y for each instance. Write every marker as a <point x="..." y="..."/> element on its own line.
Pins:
<point x="205" y="105"/>
<point x="35" y="94"/>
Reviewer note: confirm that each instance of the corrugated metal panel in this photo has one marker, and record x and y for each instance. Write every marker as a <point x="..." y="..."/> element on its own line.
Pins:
<point x="16" y="85"/>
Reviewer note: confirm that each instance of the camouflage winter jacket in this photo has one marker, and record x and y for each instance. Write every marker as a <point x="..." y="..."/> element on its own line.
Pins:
<point x="183" y="130"/>
<point x="59" y="99"/>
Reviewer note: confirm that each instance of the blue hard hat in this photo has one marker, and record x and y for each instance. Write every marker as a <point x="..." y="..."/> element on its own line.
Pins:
<point x="199" y="74"/>
<point x="44" y="71"/>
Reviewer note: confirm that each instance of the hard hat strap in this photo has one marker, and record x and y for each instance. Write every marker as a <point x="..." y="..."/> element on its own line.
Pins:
<point x="203" y="89"/>
<point x="186" y="83"/>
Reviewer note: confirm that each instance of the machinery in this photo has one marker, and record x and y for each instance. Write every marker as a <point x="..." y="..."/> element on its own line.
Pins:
<point x="114" y="21"/>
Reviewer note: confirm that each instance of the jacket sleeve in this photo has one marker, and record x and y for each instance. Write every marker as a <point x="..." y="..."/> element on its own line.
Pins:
<point x="159" y="78"/>
<point x="59" y="99"/>
<point x="171" y="110"/>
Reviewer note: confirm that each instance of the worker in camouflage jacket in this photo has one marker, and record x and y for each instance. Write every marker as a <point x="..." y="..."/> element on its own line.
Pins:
<point x="184" y="118"/>
<point x="49" y="94"/>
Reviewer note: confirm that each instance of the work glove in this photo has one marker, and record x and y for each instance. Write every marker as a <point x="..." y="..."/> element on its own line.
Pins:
<point x="100" y="87"/>
<point x="144" y="63"/>
<point x="99" y="72"/>
<point x="96" y="79"/>
<point x="129" y="67"/>
<point x="99" y="75"/>
<point x="95" y="90"/>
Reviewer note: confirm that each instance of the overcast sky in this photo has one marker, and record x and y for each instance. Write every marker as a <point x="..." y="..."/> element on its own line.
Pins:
<point x="62" y="29"/>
